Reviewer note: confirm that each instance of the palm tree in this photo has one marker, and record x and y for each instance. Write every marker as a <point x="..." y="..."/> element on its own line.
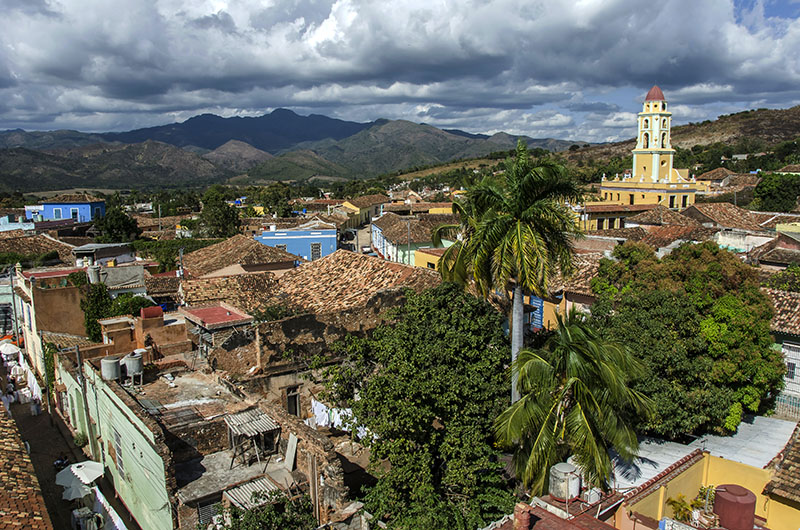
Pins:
<point x="514" y="234"/>
<point x="575" y="401"/>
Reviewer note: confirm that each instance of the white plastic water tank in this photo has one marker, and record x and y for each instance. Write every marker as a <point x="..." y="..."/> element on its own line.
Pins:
<point x="574" y="461"/>
<point x="565" y="483"/>
<point x="109" y="368"/>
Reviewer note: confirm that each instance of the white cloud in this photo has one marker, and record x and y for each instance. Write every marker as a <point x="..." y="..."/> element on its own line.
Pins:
<point x="534" y="67"/>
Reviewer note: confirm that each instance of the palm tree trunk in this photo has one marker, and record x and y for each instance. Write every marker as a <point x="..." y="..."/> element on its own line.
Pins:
<point x="516" y="337"/>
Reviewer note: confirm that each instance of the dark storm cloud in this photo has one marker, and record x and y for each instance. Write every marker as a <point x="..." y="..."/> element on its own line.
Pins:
<point x="528" y="66"/>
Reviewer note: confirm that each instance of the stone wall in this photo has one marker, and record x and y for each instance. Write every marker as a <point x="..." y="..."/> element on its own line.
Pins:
<point x="333" y="494"/>
<point x="299" y="338"/>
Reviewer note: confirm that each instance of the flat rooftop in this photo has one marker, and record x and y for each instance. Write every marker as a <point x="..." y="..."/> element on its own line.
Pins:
<point x="212" y="474"/>
<point x="217" y="315"/>
<point x="757" y="441"/>
<point x="189" y="397"/>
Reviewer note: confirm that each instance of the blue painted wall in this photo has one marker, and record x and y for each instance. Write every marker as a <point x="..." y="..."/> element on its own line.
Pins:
<point x="298" y="242"/>
<point x="86" y="211"/>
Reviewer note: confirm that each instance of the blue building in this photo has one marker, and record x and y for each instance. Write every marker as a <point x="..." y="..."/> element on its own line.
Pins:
<point x="312" y="240"/>
<point x="81" y="207"/>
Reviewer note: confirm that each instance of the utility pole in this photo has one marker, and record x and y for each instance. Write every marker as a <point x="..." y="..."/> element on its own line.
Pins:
<point x="46" y="378"/>
<point x="159" y="217"/>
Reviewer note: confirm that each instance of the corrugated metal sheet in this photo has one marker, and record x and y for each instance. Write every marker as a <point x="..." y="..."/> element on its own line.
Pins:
<point x="242" y="495"/>
<point x="250" y="423"/>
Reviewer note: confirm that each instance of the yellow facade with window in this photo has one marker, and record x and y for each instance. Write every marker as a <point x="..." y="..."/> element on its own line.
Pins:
<point x="653" y="179"/>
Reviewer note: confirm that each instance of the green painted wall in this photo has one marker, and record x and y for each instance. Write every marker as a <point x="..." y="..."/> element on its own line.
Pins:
<point x="142" y="487"/>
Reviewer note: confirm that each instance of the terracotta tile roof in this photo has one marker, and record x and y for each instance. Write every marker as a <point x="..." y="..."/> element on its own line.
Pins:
<point x="150" y="223"/>
<point x="786" y="482"/>
<point x="238" y="250"/>
<point x="158" y="285"/>
<point x="770" y="220"/>
<point x="21" y="501"/>
<point x="344" y="280"/>
<point x="716" y="174"/>
<point x="580" y="281"/>
<point x="791" y="168"/>
<point x="65" y="340"/>
<point x="661" y="215"/>
<point x="723" y="214"/>
<point x="438" y="252"/>
<point x="37" y="244"/>
<point x="774" y="252"/>
<point x="787" y="311"/>
<point x="634" y="233"/>
<point x="365" y="201"/>
<point x="417" y="206"/>
<point x="249" y="292"/>
<point x="401" y="230"/>
<point x="11" y="234"/>
<point x="610" y="208"/>
<point x="72" y="198"/>
<point x="662" y="236"/>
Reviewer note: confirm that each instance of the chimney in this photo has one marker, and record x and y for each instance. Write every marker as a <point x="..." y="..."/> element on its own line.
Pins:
<point x="522" y="516"/>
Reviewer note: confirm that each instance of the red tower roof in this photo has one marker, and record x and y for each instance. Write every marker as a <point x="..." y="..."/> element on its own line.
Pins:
<point x="655" y="94"/>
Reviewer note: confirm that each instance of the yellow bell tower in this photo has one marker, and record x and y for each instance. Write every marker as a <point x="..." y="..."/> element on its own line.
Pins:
<point x="652" y="157"/>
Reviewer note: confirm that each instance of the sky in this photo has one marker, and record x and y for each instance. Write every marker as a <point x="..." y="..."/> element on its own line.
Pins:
<point x="560" y="69"/>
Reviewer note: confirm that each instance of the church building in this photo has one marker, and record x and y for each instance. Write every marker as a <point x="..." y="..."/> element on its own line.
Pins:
<point x="653" y="180"/>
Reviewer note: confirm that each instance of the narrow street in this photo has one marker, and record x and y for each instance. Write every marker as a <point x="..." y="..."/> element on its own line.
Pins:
<point x="48" y="441"/>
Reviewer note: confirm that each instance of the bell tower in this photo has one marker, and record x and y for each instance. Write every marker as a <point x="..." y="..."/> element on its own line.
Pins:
<point x="652" y="157"/>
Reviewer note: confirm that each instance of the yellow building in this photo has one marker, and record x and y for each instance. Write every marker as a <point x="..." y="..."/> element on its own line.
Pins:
<point x="653" y="179"/>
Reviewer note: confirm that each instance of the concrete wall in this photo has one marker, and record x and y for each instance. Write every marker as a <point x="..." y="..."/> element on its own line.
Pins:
<point x="59" y="310"/>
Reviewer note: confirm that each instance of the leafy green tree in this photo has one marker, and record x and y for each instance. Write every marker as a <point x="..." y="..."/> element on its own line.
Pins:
<point x="278" y="512"/>
<point x="428" y="387"/>
<point x="275" y="199"/>
<point x="576" y="400"/>
<point x="128" y="304"/>
<point x="514" y="234"/>
<point x="785" y="280"/>
<point x="218" y="219"/>
<point x="777" y="192"/>
<point x="699" y="323"/>
<point x="96" y="304"/>
<point x="117" y="227"/>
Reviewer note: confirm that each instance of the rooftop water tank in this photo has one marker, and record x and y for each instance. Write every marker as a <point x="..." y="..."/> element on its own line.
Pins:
<point x="736" y="507"/>
<point x="565" y="482"/>
<point x="109" y="369"/>
<point x="134" y="363"/>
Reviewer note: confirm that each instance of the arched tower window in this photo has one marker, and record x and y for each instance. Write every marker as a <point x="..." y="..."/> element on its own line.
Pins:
<point x="664" y="123"/>
<point x="663" y="139"/>
<point x="665" y="105"/>
<point x="646" y="140"/>
<point x="646" y="123"/>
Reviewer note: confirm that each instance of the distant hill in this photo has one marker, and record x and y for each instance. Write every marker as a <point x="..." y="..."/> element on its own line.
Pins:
<point x="389" y="146"/>
<point x="274" y="132"/>
<point x="61" y="139"/>
<point x="294" y="165"/>
<point x="237" y="156"/>
<point x="148" y="164"/>
<point x="769" y="126"/>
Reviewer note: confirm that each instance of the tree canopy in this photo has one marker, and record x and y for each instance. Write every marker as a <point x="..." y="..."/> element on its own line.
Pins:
<point x="576" y="401"/>
<point x="429" y="386"/>
<point x="699" y="323"/>
<point x="218" y="219"/>
<point x="97" y="303"/>
<point x="117" y="227"/>
<point x="785" y="280"/>
<point x="278" y="512"/>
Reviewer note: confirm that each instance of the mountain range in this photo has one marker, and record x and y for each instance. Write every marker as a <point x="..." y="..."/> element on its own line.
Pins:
<point x="285" y="146"/>
<point x="281" y="145"/>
